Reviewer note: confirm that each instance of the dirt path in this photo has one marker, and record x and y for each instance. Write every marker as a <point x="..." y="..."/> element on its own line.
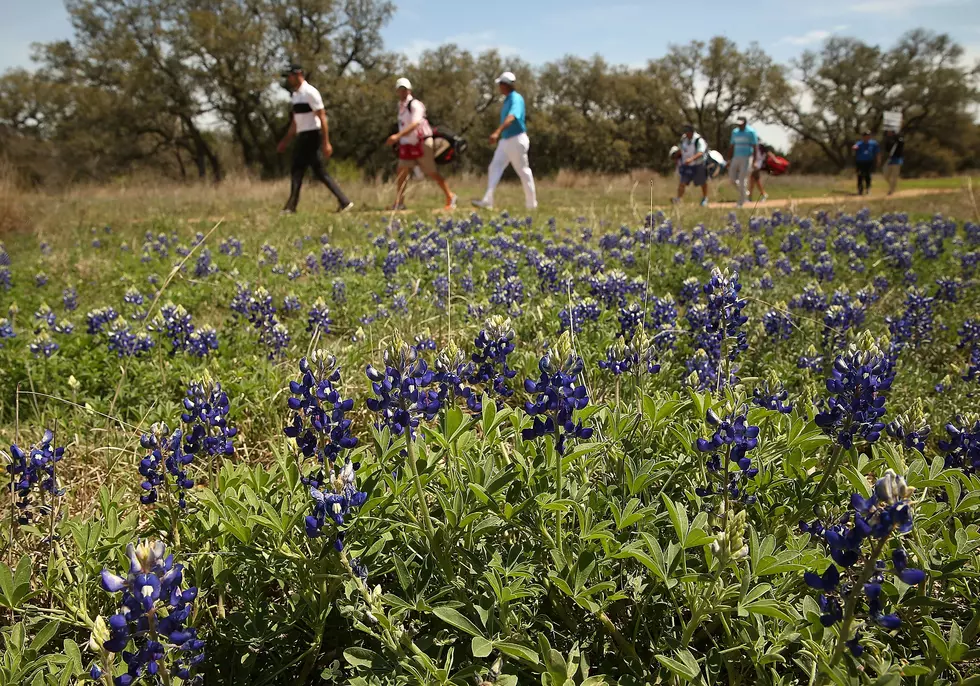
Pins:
<point x="691" y="202"/>
<point x="776" y="203"/>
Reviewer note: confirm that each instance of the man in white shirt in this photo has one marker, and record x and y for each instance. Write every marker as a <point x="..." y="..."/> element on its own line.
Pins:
<point x="415" y="145"/>
<point x="694" y="155"/>
<point x="309" y="128"/>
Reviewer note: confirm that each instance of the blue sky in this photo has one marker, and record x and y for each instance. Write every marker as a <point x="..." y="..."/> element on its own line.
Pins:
<point x="622" y="31"/>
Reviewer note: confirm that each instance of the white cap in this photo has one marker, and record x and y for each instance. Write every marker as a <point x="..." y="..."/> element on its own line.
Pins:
<point x="403" y="83"/>
<point x="508" y="78"/>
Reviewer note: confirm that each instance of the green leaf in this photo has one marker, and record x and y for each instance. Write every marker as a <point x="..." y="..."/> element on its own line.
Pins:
<point x="6" y="585"/>
<point x="480" y="646"/>
<point x="770" y="608"/>
<point x="681" y="669"/>
<point x="452" y="616"/>
<point x="362" y="657"/>
<point x="74" y="655"/>
<point x="43" y="636"/>
<point x="519" y="652"/>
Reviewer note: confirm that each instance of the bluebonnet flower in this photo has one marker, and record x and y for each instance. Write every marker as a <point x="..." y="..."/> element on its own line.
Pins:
<point x="294" y="272"/>
<point x="174" y="323"/>
<point x="40" y="279"/>
<point x="949" y="290"/>
<point x="586" y="311"/>
<point x="402" y="389"/>
<point x="969" y="335"/>
<point x="291" y="303"/>
<point x="96" y="320"/>
<point x="424" y="341"/>
<point x="5" y="279"/>
<point x="661" y="321"/>
<point x="69" y="299"/>
<point x="884" y="515"/>
<point x="204" y="267"/>
<point x="338" y="292"/>
<point x="859" y="383"/>
<point x="690" y="291"/>
<point x="556" y="396"/>
<point x="811" y="359"/>
<point x="772" y="396"/>
<point x="43" y="345"/>
<point x="717" y="322"/>
<point x="6" y="330"/>
<point x="332" y="259"/>
<point x="202" y="342"/>
<point x="122" y="341"/>
<point x="207" y="433"/>
<point x="34" y="468"/>
<point x="269" y="255"/>
<point x="811" y="299"/>
<point x="318" y="415"/>
<point x="318" y="318"/>
<point x="838" y="319"/>
<point x="230" y="246"/>
<point x="44" y="317"/>
<point x="152" y="618"/>
<point x="962" y="449"/>
<point x="734" y="437"/>
<point x="911" y="428"/>
<point x="165" y="468"/>
<point x="915" y="325"/>
<point x="778" y="322"/>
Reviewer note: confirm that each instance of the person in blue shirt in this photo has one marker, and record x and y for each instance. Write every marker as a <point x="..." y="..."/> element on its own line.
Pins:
<point x="866" y="158"/>
<point x="741" y="152"/>
<point x="512" y="145"/>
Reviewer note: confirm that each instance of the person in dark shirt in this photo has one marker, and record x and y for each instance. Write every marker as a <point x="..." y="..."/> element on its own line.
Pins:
<point x="894" y="147"/>
<point x="866" y="154"/>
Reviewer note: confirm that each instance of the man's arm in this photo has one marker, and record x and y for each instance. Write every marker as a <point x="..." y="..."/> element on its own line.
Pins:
<point x="508" y="120"/>
<point x="290" y="134"/>
<point x="698" y="154"/>
<point x="327" y="148"/>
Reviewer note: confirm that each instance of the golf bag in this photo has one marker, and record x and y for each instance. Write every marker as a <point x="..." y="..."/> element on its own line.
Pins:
<point x="715" y="164"/>
<point x="776" y="165"/>
<point x="448" y="145"/>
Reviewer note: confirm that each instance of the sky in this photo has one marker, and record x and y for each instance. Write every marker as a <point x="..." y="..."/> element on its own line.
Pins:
<point x="623" y="32"/>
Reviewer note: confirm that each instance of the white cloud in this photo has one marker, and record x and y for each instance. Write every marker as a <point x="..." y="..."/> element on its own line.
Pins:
<point x="811" y="37"/>
<point x="896" y="7"/>
<point x="474" y="42"/>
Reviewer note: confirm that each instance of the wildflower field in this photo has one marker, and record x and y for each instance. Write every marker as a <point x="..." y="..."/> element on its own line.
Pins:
<point x="571" y="449"/>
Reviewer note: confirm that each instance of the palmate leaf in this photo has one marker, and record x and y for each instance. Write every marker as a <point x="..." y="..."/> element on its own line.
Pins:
<point x="452" y="616"/>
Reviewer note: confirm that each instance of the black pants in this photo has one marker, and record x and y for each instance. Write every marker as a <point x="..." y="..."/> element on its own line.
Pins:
<point x="306" y="154"/>
<point x="864" y="170"/>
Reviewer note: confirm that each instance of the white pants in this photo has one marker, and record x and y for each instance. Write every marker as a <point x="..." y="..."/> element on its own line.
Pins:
<point x="512" y="151"/>
<point x="739" y="171"/>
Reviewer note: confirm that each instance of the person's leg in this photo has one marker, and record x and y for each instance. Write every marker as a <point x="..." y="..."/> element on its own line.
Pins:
<point x="868" y="171"/>
<point x="758" y="180"/>
<point x="428" y="166"/>
<point x="320" y="173"/>
<point x="517" y="155"/>
<point x="753" y="182"/>
<point x="860" y="175"/>
<point x="301" y="160"/>
<point x="741" y="164"/>
<point x="891" y="176"/>
<point x="497" y="165"/>
<point x="401" y="182"/>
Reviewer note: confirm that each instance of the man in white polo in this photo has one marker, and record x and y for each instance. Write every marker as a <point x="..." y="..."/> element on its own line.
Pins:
<point x="512" y="145"/>
<point x="309" y="128"/>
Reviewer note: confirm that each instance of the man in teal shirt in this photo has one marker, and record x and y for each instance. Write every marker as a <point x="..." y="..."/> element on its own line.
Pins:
<point x="512" y="145"/>
<point x="742" y="152"/>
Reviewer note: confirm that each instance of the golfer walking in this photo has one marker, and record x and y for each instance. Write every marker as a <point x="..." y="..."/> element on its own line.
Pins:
<point x="693" y="169"/>
<point x="895" y="149"/>
<point x="309" y="128"/>
<point x="741" y="152"/>
<point x="415" y="147"/>
<point x="866" y="157"/>
<point x="512" y="145"/>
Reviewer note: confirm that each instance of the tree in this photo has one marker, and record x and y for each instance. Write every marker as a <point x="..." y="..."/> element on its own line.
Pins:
<point x="714" y="82"/>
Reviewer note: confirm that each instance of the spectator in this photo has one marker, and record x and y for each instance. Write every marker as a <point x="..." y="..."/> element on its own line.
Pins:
<point x="866" y="158"/>
<point x="895" y="147"/>
<point x="415" y="146"/>
<point x="741" y="153"/>
<point x="309" y="127"/>
<point x="694" y="154"/>
<point x="758" y="166"/>
<point x="512" y="145"/>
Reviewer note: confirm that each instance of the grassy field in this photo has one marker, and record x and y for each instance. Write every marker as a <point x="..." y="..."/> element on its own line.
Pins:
<point x="497" y="542"/>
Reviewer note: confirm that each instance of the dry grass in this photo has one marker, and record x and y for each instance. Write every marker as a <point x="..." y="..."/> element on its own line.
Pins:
<point x="14" y="213"/>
